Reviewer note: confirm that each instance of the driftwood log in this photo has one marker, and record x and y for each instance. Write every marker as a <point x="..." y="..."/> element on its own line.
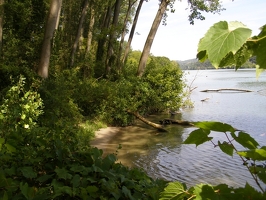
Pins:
<point x="226" y="89"/>
<point x="154" y="125"/>
<point x="174" y="121"/>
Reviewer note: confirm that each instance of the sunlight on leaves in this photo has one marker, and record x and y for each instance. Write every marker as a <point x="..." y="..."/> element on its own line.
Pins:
<point x="174" y="190"/>
<point x="254" y="154"/>
<point x="223" y="38"/>
<point x="215" y="126"/>
<point x="245" y="140"/>
<point x="198" y="137"/>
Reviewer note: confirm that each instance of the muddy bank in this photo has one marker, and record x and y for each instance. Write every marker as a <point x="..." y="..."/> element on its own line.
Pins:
<point x="133" y="140"/>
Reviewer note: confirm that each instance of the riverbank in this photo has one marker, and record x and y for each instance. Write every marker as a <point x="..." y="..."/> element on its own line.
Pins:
<point x="127" y="142"/>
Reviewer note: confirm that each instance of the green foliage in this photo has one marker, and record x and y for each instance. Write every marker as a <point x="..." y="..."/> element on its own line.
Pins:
<point x="221" y="39"/>
<point x="38" y="161"/>
<point x="230" y="44"/>
<point x="196" y="7"/>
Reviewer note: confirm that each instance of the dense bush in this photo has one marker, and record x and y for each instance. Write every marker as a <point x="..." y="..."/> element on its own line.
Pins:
<point x="43" y="162"/>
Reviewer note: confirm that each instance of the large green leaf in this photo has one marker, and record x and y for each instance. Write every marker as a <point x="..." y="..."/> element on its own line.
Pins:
<point x="246" y="140"/>
<point x="63" y="173"/>
<point x="28" y="192"/>
<point x="174" y="191"/>
<point x="214" y="126"/>
<point x="226" y="148"/>
<point x="203" y="191"/>
<point x="223" y="38"/>
<point x="254" y="154"/>
<point x="28" y="172"/>
<point x="198" y="137"/>
<point x="10" y="148"/>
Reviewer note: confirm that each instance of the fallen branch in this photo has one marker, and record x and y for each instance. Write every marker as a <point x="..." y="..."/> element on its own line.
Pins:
<point x="226" y="89"/>
<point x="174" y="121"/>
<point x="154" y="125"/>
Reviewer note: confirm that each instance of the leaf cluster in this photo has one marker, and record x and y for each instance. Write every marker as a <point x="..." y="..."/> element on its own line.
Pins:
<point x="230" y="44"/>
<point x="209" y="6"/>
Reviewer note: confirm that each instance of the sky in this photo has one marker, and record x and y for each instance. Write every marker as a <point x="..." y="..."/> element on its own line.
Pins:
<point x="178" y="40"/>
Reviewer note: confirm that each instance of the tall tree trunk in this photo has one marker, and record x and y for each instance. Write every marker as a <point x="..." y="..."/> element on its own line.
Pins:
<point x="81" y="21"/>
<point x="89" y="40"/>
<point x="132" y="31"/>
<point x="118" y="61"/>
<point x="51" y="23"/>
<point x="150" y="38"/>
<point x="1" y="24"/>
<point x="99" y="70"/>
<point x="112" y="39"/>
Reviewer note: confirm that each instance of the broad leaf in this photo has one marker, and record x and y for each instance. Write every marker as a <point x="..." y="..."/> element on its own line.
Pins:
<point x="44" y="178"/>
<point x="226" y="148"/>
<point x="254" y="154"/>
<point x="28" y="192"/>
<point x="63" y="173"/>
<point x="249" y="192"/>
<point x="214" y="126"/>
<point x="223" y="38"/>
<point x="198" y="137"/>
<point x="243" y="54"/>
<point x="76" y="181"/>
<point x="10" y="148"/>
<point x="203" y="191"/>
<point x="246" y="140"/>
<point x="28" y="172"/>
<point x="174" y="191"/>
<point x="92" y="189"/>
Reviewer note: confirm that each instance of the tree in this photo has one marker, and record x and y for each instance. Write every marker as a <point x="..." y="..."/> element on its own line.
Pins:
<point x="82" y="18"/>
<point x="196" y="7"/>
<point x="52" y="22"/>
<point x="150" y="38"/>
<point x="91" y="24"/>
<point x="110" y="58"/>
<point x="132" y="31"/>
<point x="118" y="61"/>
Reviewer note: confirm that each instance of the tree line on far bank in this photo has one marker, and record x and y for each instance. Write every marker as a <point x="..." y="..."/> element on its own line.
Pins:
<point x="195" y="64"/>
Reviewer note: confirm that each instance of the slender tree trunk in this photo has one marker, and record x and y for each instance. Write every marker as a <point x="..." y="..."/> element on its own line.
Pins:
<point x="150" y="38"/>
<point x="132" y="31"/>
<point x="81" y="21"/>
<point x="99" y="69"/>
<point x="51" y="23"/>
<point x="89" y="40"/>
<point x="1" y="24"/>
<point x="110" y="52"/>
<point x="58" y="15"/>
<point x="118" y="63"/>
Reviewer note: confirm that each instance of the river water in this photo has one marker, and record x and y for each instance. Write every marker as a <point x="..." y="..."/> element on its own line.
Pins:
<point x="162" y="155"/>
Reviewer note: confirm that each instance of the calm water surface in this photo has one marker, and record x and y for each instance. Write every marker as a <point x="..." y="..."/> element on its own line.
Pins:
<point x="162" y="155"/>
